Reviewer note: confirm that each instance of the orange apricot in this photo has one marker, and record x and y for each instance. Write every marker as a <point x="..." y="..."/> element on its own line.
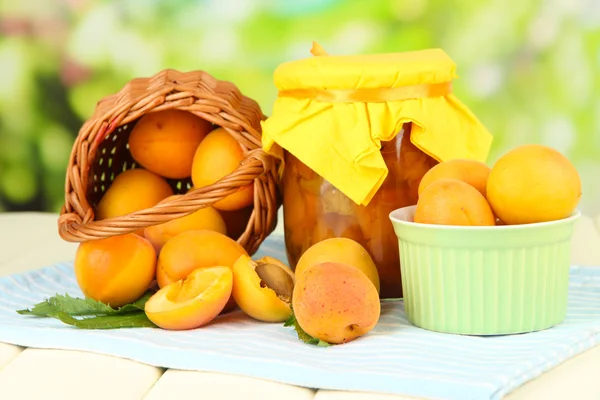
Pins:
<point x="196" y="249"/>
<point x="453" y="202"/>
<point x="473" y="172"/>
<point x="263" y="288"/>
<point x="533" y="183"/>
<point x="206" y="218"/>
<point x="164" y="142"/>
<point x="191" y="302"/>
<point x="339" y="250"/>
<point x="335" y="302"/>
<point x="218" y="155"/>
<point x="117" y="270"/>
<point x="132" y="190"/>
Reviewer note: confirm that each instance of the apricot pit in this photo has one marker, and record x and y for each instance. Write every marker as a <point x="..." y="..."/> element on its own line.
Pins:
<point x="263" y="288"/>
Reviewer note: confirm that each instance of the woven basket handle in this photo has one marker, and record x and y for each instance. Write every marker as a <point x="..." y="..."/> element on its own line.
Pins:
<point x="73" y="228"/>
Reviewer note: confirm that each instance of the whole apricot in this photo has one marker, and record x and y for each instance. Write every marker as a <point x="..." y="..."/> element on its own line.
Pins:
<point x="339" y="250"/>
<point x="132" y="190"/>
<point x="164" y="142"/>
<point x="453" y="202"/>
<point x="206" y="218"/>
<point x="195" y="249"/>
<point x="473" y="172"/>
<point x="263" y="288"/>
<point x="335" y="302"/>
<point x="116" y="270"/>
<point x="533" y="183"/>
<point x="191" y="250"/>
<point x="191" y="302"/>
<point x="218" y="155"/>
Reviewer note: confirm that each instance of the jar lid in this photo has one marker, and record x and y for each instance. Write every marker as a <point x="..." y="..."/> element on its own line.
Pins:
<point x="366" y="71"/>
<point x="333" y="112"/>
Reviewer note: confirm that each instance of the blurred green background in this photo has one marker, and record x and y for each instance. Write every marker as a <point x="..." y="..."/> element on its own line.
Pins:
<point x="530" y="70"/>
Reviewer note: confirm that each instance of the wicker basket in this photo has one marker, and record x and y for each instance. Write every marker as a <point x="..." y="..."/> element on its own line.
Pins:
<point x="100" y="153"/>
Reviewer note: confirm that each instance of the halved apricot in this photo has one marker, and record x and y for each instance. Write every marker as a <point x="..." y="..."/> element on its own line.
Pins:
<point x="194" y="249"/>
<point x="191" y="302"/>
<point x="263" y="288"/>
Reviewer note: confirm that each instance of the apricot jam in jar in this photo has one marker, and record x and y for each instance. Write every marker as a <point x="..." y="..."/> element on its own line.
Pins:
<point x="355" y="135"/>
<point x="315" y="210"/>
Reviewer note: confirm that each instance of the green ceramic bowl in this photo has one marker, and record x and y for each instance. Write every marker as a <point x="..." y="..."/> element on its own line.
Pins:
<point x="484" y="280"/>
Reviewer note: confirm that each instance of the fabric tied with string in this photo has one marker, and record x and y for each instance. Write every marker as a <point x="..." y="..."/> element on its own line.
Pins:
<point x="333" y="112"/>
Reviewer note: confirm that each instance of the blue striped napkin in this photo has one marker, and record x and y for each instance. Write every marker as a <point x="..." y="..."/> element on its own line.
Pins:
<point x="395" y="357"/>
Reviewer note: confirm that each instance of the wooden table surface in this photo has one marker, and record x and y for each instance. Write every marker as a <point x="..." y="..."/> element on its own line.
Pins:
<point x="30" y="241"/>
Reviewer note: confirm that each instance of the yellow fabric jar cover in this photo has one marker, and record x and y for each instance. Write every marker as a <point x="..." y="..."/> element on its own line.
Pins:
<point x="332" y="112"/>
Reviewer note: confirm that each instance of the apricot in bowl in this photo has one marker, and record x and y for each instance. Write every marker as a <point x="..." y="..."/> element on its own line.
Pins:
<point x="484" y="280"/>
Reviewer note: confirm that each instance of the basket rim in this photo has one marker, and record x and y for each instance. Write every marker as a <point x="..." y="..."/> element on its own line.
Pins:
<point x="226" y="107"/>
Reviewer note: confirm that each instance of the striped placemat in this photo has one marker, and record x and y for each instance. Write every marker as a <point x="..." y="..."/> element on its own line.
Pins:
<point x="395" y="357"/>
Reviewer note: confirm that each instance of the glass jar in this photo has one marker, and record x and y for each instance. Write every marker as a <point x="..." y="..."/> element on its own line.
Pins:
<point x="357" y="119"/>
<point x="315" y="210"/>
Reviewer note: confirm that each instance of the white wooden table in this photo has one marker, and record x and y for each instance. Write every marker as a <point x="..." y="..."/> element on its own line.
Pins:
<point x="30" y="241"/>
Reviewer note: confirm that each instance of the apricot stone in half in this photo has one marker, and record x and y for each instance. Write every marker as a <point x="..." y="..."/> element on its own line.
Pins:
<point x="191" y="302"/>
<point x="263" y="288"/>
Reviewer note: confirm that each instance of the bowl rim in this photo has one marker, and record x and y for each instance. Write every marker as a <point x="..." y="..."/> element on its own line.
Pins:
<point x="573" y="217"/>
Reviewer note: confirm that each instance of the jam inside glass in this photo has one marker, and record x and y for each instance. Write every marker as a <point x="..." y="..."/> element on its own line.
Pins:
<point x="315" y="210"/>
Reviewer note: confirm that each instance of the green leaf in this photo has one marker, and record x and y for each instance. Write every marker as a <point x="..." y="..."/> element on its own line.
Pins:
<point x="131" y="320"/>
<point x="73" y="306"/>
<point x="96" y="315"/>
<point x="302" y="335"/>
<point x="140" y="304"/>
<point x="41" y="309"/>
